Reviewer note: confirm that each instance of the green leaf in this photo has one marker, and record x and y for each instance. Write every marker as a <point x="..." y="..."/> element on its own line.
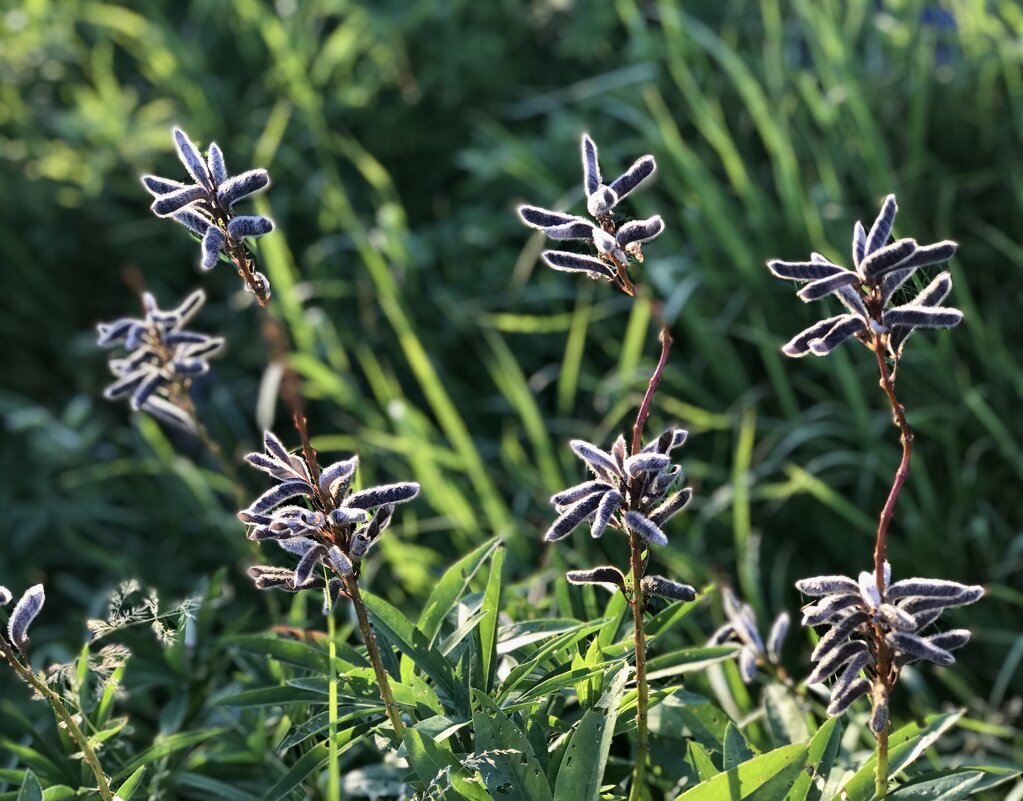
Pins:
<point x="784" y="717"/>
<point x="30" y="788"/>
<point x="313" y="759"/>
<point x="296" y="653"/>
<point x="951" y="787"/>
<point x="737" y="750"/>
<point x="822" y="750"/>
<point x="491" y="607"/>
<point x="686" y="660"/>
<point x="558" y="682"/>
<point x="780" y="768"/>
<point x="702" y="762"/>
<point x="904" y="747"/>
<point x="210" y="787"/>
<point x="165" y="746"/>
<point x="273" y="696"/>
<point x="563" y="641"/>
<point x="582" y="768"/>
<point x="450" y="588"/>
<point x="409" y="640"/>
<point x="129" y="785"/>
<point x="685" y="715"/>
<point x="59" y="792"/>
<point x="436" y="766"/>
<point x="510" y="769"/>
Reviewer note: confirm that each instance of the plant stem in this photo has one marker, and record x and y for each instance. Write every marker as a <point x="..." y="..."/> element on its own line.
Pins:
<point x="642" y="688"/>
<point x="899" y="419"/>
<point x="57" y="704"/>
<point x="333" y="770"/>
<point x="352" y="585"/>
<point x="884" y="655"/>
<point x="638" y="600"/>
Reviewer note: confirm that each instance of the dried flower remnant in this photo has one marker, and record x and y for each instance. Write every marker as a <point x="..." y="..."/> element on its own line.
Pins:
<point x="742" y="628"/>
<point x="615" y="245"/>
<point x="206" y="208"/>
<point x="161" y="358"/>
<point x="879" y="633"/>
<point x="867" y="290"/>
<point x="25" y="611"/>
<point x="635" y="494"/>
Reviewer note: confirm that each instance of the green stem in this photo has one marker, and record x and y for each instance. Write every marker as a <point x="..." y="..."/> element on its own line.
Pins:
<point x="881" y="773"/>
<point x="57" y="704"/>
<point x="642" y="688"/>
<point x="333" y="769"/>
<point x="352" y="586"/>
<point x="638" y="567"/>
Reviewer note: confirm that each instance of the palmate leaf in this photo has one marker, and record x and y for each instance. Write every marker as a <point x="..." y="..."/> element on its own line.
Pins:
<point x="774" y="773"/>
<point x="582" y="768"/>
<point x="508" y="763"/>
<point x="436" y="766"/>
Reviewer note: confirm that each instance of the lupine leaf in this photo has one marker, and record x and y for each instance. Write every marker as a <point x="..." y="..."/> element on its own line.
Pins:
<point x="510" y="770"/>
<point x="452" y="586"/>
<point x="783" y="765"/>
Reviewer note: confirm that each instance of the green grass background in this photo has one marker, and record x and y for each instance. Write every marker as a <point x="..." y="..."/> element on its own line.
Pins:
<point x="400" y="135"/>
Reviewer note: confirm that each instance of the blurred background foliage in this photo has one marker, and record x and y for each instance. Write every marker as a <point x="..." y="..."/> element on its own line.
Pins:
<point x="400" y="135"/>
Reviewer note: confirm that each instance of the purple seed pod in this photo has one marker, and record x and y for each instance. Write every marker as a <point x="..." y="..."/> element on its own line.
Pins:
<point x="827" y="585"/>
<point x="215" y="162"/>
<point x="747" y="663"/>
<point x="212" y="243"/>
<point x="336" y="479"/>
<point x="639" y="231"/>
<point x="379" y="496"/>
<point x="800" y="344"/>
<point x="917" y="316"/>
<point x="831" y="661"/>
<point x="195" y="223"/>
<point x="896" y="618"/>
<point x="192" y="159"/>
<point x="920" y="648"/>
<point x="776" y="637"/>
<point x="721" y="635"/>
<point x="645" y="529"/>
<point x="601" y="463"/>
<point x="275" y="496"/>
<point x="879" y="231"/>
<point x="578" y="228"/>
<point x="850" y="673"/>
<point x="536" y="217"/>
<point x="828" y="609"/>
<point x="884" y="260"/>
<point x="5" y="596"/>
<point x="566" y="498"/>
<point x="598" y="575"/>
<point x="835" y="336"/>
<point x="312" y="557"/>
<point x="576" y="263"/>
<point x="341" y="563"/>
<point x="241" y="186"/>
<point x="805" y="270"/>
<point x="666" y="588"/>
<point x="246" y="226"/>
<point x="24" y="613"/>
<point x="816" y="290"/>
<point x="640" y="170"/>
<point x="840" y="630"/>
<point x="359" y="545"/>
<point x="347" y="517"/>
<point x="642" y="463"/>
<point x="853" y="692"/>
<point x="572" y="517"/>
<point x="591" y="166"/>
<point x="168" y="205"/>
<point x="671" y="507"/>
<point x="610" y="503"/>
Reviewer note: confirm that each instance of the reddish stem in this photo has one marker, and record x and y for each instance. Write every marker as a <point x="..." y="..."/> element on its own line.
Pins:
<point x="899" y="419"/>
<point x="655" y="379"/>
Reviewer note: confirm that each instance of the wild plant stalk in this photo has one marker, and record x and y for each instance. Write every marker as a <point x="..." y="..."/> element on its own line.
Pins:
<point x="636" y="561"/>
<point x="875" y="625"/>
<point x="333" y="769"/>
<point x="351" y="586"/>
<point x="884" y="662"/>
<point x="636" y="487"/>
<point x="26" y="674"/>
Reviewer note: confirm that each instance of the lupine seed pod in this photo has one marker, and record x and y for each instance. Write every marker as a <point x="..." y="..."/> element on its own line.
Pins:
<point x="826" y="585"/>
<point x="838" y="632"/>
<point x="597" y="575"/>
<point x="5" y="596"/>
<point x="828" y="609"/>
<point x="378" y="496"/>
<point x="666" y="588"/>
<point x="645" y="529"/>
<point x="24" y="613"/>
<point x="609" y="505"/>
<point x="747" y="663"/>
<point x="920" y="648"/>
<point x="832" y="660"/>
<point x="573" y="516"/>
<point x="856" y="690"/>
<point x="776" y="636"/>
